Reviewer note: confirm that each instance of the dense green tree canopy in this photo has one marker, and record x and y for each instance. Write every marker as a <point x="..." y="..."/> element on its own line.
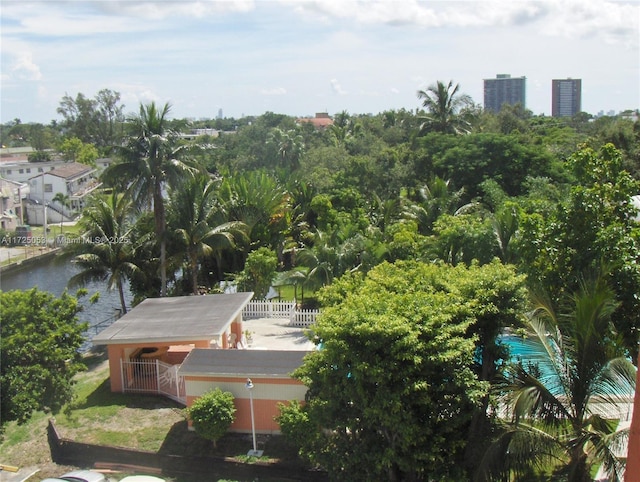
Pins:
<point x="39" y="352"/>
<point x="594" y="227"/>
<point x="392" y="391"/>
<point x="97" y="121"/>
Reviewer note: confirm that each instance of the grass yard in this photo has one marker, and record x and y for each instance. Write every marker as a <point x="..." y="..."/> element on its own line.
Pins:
<point x="144" y="422"/>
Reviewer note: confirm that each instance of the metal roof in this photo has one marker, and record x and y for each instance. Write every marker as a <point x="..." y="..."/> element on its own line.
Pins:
<point x="250" y="363"/>
<point x="175" y="319"/>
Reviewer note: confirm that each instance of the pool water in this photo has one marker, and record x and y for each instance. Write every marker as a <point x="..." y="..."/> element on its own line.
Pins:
<point x="529" y="351"/>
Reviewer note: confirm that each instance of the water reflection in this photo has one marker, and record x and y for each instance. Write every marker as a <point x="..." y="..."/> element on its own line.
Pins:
<point x="52" y="275"/>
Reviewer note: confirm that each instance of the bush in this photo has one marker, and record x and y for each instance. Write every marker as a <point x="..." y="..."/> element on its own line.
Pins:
<point x="212" y="414"/>
<point x="296" y="428"/>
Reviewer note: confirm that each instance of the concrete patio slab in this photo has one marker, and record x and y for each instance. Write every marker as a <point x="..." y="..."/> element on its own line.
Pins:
<point x="276" y="334"/>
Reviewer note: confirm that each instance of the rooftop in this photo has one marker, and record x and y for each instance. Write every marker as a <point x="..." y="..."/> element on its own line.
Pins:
<point x="71" y="170"/>
<point x="175" y="319"/>
<point x="252" y="363"/>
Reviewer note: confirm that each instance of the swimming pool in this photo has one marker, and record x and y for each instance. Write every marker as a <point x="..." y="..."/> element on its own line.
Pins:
<point x="529" y="351"/>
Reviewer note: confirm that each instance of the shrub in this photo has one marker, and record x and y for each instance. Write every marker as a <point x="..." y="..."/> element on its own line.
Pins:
<point x="212" y="414"/>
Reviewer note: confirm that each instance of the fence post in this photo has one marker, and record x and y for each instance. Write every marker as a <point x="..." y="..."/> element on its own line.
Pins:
<point x="123" y="382"/>
<point x="157" y="376"/>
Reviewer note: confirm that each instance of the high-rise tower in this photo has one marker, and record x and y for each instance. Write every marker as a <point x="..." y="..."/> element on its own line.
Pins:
<point x="566" y="97"/>
<point x="504" y="90"/>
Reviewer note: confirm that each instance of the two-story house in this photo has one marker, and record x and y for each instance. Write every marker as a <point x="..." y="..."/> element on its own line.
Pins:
<point x="75" y="180"/>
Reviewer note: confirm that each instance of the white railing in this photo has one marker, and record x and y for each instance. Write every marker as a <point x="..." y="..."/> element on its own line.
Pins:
<point x="280" y="309"/>
<point x="153" y="376"/>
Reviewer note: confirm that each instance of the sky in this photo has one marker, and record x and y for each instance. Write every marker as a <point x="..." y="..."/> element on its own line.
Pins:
<point x="299" y="57"/>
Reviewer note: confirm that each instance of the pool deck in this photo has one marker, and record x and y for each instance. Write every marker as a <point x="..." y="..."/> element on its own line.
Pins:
<point x="276" y="334"/>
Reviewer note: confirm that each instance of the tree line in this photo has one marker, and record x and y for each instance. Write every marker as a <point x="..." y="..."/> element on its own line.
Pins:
<point x="423" y="235"/>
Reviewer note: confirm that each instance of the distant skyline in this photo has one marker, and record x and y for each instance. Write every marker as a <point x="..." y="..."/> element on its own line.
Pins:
<point x="299" y="57"/>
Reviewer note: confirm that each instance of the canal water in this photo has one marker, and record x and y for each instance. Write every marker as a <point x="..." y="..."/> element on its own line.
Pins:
<point x="52" y="274"/>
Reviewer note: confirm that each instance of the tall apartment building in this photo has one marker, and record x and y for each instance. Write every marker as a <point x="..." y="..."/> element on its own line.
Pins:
<point x="504" y="90"/>
<point x="566" y="97"/>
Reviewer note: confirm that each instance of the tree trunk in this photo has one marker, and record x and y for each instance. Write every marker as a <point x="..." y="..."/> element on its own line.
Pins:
<point x="193" y="261"/>
<point x="121" y="293"/>
<point x="158" y="209"/>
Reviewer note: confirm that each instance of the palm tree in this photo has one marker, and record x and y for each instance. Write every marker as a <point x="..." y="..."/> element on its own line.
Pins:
<point x="192" y="213"/>
<point x="432" y="200"/>
<point x="443" y="104"/>
<point x="290" y="145"/>
<point x="327" y="259"/>
<point x="64" y="201"/>
<point x="151" y="161"/>
<point x="559" y="406"/>
<point x="106" y="251"/>
<point x="505" y="222"/>
<point x="259" y="201"/>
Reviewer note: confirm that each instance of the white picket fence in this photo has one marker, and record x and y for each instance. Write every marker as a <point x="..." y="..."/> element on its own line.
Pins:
<point x="268" y="309"/>
<point x="280" y="309"/>
<point x="303" y="318"/>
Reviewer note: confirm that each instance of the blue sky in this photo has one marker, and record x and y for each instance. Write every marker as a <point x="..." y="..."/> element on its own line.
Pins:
<point x="298" y="57"/>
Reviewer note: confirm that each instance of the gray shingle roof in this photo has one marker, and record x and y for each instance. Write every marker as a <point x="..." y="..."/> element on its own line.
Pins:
<point x="251" y="363"/>
<point x="176" y="319"/>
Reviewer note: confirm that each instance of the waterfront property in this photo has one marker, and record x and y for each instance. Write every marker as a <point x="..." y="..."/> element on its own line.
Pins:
<point x="182" y="347"/>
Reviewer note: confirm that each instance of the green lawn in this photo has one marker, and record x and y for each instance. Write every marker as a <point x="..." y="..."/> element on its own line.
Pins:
<point x="145" y="422"/>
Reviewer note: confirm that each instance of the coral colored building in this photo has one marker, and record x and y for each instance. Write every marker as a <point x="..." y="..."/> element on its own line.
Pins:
<point x="182" y="347"/>
<point x="269" y="371"/>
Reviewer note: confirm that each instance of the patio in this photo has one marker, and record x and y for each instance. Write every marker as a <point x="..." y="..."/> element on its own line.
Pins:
<point x="276" y="334"/>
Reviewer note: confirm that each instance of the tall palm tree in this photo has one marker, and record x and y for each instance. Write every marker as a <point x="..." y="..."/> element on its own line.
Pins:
<point x="444" y="104"/>
<point x="192" y="213"/>
<point x="151" y="161"/>
<point x="559" y="405"/>
<point x="107" y="252"/>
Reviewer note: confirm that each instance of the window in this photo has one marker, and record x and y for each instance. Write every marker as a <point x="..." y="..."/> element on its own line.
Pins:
<point x="48" y="188"/>
<point x="8" y="171"/>
<point x="21" y="171"/>
<point x="28" y="171"/>
<point x="40" y="169"/>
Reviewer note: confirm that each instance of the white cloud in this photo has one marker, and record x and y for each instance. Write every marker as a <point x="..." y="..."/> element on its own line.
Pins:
<point x="81" y="18"/>
<point x="613" y="21"/>
<point x="159" y="10"/>
<point x="23" y="67"/>
<point x="336" y="87"/>
<point x="132" y="95"/>
<point x="166" y="9"/>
